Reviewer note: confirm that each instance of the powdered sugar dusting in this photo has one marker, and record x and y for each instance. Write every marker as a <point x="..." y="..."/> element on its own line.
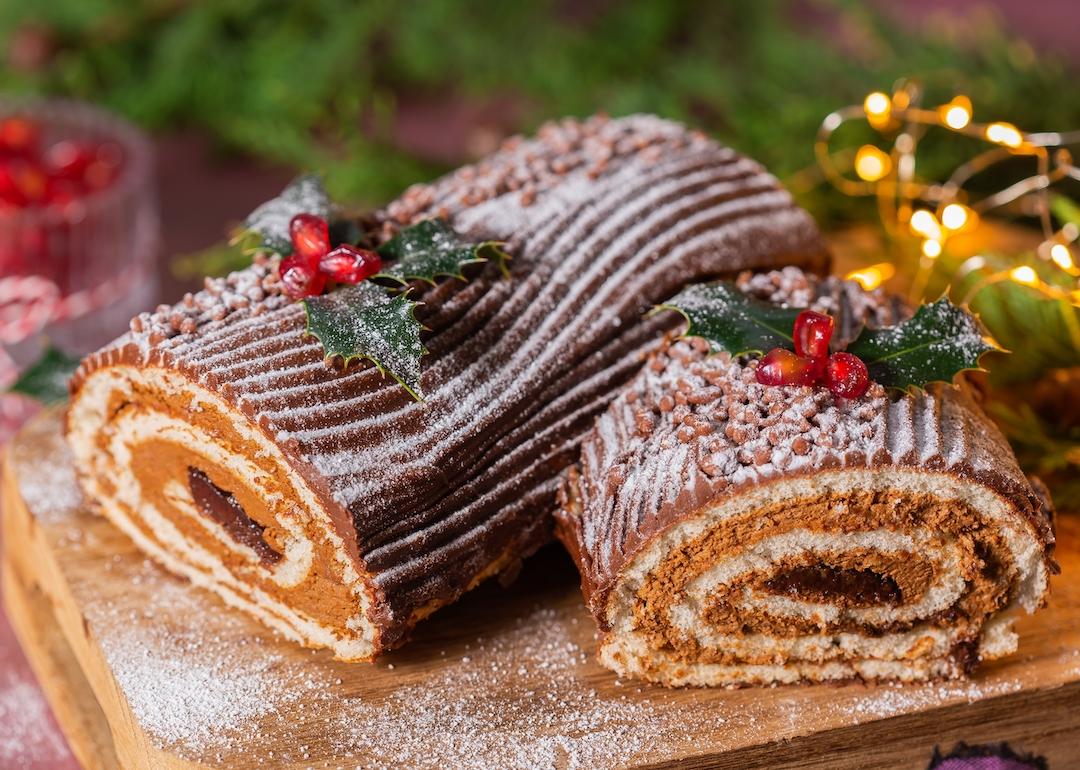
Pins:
<point x="517" y="700"/>
<point x="47" y="477"/>
<point x="889" y="700"/>
<point x="185" y="687"/>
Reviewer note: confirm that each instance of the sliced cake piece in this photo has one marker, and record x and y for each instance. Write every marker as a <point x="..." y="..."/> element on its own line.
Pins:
<point x="729" y="532"/>
<point x="331" y="504"/>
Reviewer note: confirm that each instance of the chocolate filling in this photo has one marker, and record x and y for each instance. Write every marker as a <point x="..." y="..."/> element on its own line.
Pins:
<point x="861" y="587"/>
<point x="223" y="508"/>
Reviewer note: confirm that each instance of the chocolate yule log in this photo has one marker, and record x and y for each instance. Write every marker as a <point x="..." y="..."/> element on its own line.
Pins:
<point x="328" y="502"/>
<point x="729" y="532"/>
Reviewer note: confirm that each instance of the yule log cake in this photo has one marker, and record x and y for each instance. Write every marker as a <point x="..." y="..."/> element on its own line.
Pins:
<point x="734" y="532"/>
<point x="331" y="504"/>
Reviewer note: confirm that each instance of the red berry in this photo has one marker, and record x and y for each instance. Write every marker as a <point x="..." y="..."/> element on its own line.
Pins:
<point x="61" y="192"/>
<point x="27" y="181"/>
<point x="19" y="136"/>
<point x="9" y="191"/>
<point x="846" y="375"/>
<point x="782" y="367"/>
<point x="813" y="331"/>
<point x="310" y="238"/>
<point x="299" y="278"/>
<point x="68" y="159"/>
<point x="349" y="264"/>
<point x="99" y="175"/>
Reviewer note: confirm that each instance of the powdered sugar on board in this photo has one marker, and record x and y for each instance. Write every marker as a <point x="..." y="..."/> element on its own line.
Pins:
<point x="519" y="697"/>
<point x="207" y="684"/>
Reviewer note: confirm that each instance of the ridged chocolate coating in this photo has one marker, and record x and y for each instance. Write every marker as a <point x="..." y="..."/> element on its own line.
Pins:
<point x="432" y="493"/>
<point x="648" y="465"/>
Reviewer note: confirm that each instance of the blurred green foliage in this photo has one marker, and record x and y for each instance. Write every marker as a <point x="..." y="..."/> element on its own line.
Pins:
<point x="293" y="82"/>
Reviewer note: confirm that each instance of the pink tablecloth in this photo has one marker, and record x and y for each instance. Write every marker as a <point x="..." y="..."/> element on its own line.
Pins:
<point x="29" y="736"/>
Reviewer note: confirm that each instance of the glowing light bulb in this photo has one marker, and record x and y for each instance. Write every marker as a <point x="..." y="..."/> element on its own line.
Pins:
<point x="872" y="276"/>
<point x="924" y="223"/>
<point x="957" y="113"/>
<point x="955" y="216"/>
<point x="1004" y="133"/>
<point x="872" y="163"/>
<point x="1059" y="252"/>
<point x="931" y="248"/>
<point x="877" y="105"/>
<point x="1024" y="275"/>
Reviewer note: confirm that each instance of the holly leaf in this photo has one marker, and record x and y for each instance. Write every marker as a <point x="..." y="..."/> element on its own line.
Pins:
<point x="363" y="321"/>
<point x="731" y="321"/>
<point x="938" y="342"/>
<point x="432" y="248"/>
<point x="47" y="378"/>
<point x="270" y="221"/>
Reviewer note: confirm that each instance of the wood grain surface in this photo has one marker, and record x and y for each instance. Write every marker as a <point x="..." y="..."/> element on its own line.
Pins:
<point x="145" y="671"/>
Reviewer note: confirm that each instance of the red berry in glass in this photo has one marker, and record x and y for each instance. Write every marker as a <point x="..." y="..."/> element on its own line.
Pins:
<point x="782" y="367"/>
<point x="32" y="175"/>
<point x="349" y="264"/>
<point x="19" y="136"/>
<point x="846" y="375"/>
<point x="310" y="238"/>
<point x="9" y="192"/>
<point x="67" y="159"/>
<point x="29" y="181"/>
<point x="299" y="278"/>
<point x="813" y="332"/>
<point x="62" y="192"/>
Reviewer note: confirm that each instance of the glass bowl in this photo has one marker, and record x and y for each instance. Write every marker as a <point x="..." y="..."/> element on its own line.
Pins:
<point x="79" y="261"/>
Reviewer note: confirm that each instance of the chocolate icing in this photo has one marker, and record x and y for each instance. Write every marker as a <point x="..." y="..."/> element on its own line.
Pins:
<point x="860" y="587"/>
<point x="223" y="508"/>
<point x="603" y="218"/>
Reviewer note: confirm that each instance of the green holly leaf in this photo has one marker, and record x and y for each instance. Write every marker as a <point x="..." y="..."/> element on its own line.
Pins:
<point x="270" y="222"/>
<point x="938" y="342"/>
<point x="430" y="249"/>
<point x="731" y="321"/>
<point x="47" y="378"/>
<point x="363" y="321"/>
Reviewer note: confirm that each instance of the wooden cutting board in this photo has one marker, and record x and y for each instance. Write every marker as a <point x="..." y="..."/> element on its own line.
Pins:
<point x="145" y="671"/>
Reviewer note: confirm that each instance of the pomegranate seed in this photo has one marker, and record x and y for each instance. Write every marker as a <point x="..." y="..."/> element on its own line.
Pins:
<point x="9" y="191"/>
<point x="846" y="375"/>
<point x="813" y="331"/>
<point x="782" y="367"/>
<point x="99" y="175"/>
<point x="299" y="278"/>
<point x="28" y="180"/>
<point x="61" y="191"/>
<point x="68" y="159"/>
<point x="19" y="136"/>
<point x="310" y="238"/>
<point x="349" y="264"/>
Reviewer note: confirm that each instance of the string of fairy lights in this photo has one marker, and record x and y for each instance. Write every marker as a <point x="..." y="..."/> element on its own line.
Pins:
<point x="935" y="211"/>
